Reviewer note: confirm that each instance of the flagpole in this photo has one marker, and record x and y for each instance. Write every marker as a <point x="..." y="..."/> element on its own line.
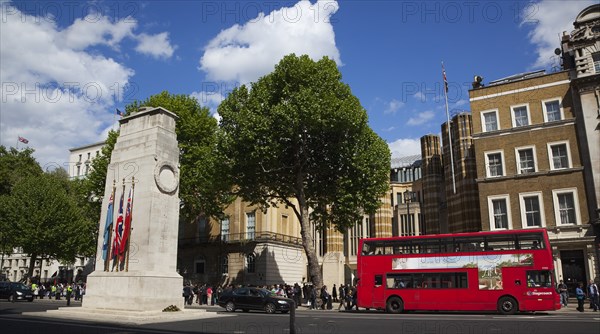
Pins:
<point x="131" y="219"/>
<point x="107" y="260"/>
<point x="449" y="129"/>
<point x="117" y="225"/>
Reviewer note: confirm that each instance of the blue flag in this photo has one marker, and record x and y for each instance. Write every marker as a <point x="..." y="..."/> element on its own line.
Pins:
<point x="108" y="227"/>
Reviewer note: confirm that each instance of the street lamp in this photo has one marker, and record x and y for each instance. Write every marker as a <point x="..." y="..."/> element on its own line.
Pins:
<point x="408" y="197"/>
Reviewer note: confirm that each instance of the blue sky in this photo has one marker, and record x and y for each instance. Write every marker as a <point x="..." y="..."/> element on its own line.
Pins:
<point x="65" y="66"/>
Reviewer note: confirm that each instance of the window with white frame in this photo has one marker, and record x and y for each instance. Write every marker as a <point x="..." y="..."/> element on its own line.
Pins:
<point x="494" y="163"/>
<point x="250" y="224"/>
<point x="225" y="229"/>
<point x="532" y="210"/>
<point x="559" y="154"/>
<point x="489" y="121"/>
<point x="357" y="232"/>
<point x="525" y="160"/>
<point x="499" y="212"/>
<point x="520" y="115"/>
<point x="552" y="110"/>
<point x="566" y="206"/>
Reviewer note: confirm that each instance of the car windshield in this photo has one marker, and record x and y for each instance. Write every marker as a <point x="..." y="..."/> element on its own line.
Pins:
<point x="20" y="286"/>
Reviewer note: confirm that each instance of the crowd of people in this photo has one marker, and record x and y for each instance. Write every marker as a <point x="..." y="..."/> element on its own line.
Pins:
<point x="307" y="294"/>
<point x="58" y="291"/>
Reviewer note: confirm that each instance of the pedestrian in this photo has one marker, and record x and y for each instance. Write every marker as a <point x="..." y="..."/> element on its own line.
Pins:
<point x="187" y="294"/>
<point x="354" y="298"/>
<point x="209" y="293"/>
<point x="580" y="297"/>
<point x="342" y="299"/>
<point x="593" y="295"/>
<point x="334" y="293"/>
<point x="326" y="298"/>
<point x="313" y="297"/>
<point x="564" y="294"/>
<point x="69" y="291"/>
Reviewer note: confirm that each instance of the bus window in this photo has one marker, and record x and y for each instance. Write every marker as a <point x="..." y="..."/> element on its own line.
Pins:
<point x="378" y="280"/>
<point x="531" y="241"/>
<point x="367" y="249"/>
<point x="539" y="278"/>
<point x="500" y="242"/>
<point x="398" y="281"/>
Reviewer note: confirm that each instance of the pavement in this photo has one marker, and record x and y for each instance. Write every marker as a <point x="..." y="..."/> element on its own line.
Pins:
<point x="570" y="308"/>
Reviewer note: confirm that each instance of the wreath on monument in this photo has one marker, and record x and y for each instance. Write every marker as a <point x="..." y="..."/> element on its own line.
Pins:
<point x="171" y="308"/>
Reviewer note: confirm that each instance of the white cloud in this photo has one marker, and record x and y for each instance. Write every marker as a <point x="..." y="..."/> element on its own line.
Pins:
<point x="57" y="89"/>
<point x="421" y="118"/>
<point x="244" y="53"/>
<point x="405" y="147"/>
<point x="93" y="30"/>
<point x="419" y="96"/>
<point x="211" y="100"/>
<point x="157" y="46"/>
<point x="393" y="106"/>
<point x="550" y="18"/>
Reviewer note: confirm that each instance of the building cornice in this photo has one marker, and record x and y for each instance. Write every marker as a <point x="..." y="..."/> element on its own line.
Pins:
<point x="519" y="90"/>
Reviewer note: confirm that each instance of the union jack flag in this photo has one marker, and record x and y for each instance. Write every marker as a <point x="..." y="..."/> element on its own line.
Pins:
<point x="118" y="230"/>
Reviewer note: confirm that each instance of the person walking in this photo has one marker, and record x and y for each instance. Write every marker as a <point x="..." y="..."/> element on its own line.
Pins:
<point x="313" y="297"/>
<point x="593" y="295"/>
<point x="580" y="297"/>
<point x="334" y="293"/>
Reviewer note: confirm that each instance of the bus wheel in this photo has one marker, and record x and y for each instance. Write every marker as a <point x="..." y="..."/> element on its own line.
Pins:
<point x="507" y="305"/>
<point x="394" y="305"/>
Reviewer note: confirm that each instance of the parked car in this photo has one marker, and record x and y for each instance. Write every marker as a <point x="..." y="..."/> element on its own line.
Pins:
<point x="15" y="291"/>
<point x="247" y="299"/>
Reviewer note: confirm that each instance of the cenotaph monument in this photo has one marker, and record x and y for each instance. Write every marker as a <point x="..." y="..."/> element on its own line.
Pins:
<point x="137" y="253"/>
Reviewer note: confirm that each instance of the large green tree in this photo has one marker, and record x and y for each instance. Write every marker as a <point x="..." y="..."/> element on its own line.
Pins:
<point x="300" y="138"/>
<point x="47" y="220"/>
<point x="203" y="186"/>
<point x="14" y="166"/>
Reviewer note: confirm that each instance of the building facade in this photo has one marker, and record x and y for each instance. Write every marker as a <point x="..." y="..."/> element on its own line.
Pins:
<point x="80" y="159"/>
<point x="462" y="196"/>
<point x="530" y="172"/>
<point x="249" y="246"/>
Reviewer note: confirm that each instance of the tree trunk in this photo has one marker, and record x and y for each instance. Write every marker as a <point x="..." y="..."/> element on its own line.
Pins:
<point x="314" y="270"/>
<point x="31" y="266"/>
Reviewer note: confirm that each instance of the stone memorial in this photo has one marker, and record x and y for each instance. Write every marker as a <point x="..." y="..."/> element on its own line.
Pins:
<point x="137" y="271"/>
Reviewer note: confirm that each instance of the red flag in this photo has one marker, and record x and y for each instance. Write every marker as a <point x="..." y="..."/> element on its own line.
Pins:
<point x="23" y="140"/>
<point x="118" y="230"/>
<point x="127" y="227"/>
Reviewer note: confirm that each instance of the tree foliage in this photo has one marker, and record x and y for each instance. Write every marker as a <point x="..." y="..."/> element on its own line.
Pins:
<point x="47" y="220"/>
<point x="14" y="166"/>
<point x="203" y="186"/>
<point x="93" y="184"/>
<point x="299" y="133"/>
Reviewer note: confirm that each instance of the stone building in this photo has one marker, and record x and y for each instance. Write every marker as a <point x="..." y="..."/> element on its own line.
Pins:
<point x="462" y="197"/>
<point x="530" y="172"/>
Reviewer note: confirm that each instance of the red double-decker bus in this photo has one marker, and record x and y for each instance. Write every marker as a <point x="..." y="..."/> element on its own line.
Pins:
<point x="507" y="271"/>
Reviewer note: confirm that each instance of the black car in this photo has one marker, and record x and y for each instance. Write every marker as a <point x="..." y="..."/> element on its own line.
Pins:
<point x="15" y="291"/>
<point x="247" y="299"/>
